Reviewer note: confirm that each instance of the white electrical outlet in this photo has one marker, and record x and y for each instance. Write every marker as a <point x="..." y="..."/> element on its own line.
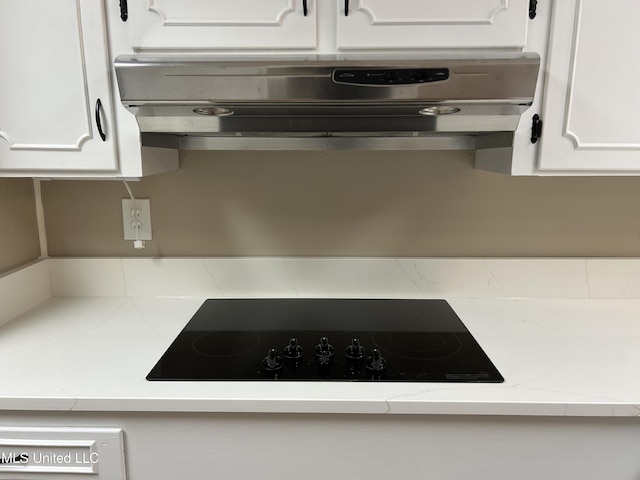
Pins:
<point x="136" y="218"/>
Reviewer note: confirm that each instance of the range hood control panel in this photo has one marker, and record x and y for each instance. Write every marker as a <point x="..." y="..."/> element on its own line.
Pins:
<point x="405" y="76"/>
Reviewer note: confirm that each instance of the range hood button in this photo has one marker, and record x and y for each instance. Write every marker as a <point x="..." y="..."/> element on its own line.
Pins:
<point x="381" y="76"/>
<point x="392" y="77"/>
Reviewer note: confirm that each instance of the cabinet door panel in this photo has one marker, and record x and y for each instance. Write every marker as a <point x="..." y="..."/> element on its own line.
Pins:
<point x="433" y="24"/>
<point x="54" y="70"/>
<point x="202" y="12"/>
<point x="220" y="24"/>
<point x="591" y="93"/>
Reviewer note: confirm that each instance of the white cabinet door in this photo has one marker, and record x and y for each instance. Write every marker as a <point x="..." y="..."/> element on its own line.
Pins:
<point x="54" y="72"/>
<point x="187" y="25"/>
<point x="432" y="24"/>
<point x="592" y="94"/>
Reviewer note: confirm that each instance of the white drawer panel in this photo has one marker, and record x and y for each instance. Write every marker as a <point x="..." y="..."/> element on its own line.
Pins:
<point x="62" y="453"/>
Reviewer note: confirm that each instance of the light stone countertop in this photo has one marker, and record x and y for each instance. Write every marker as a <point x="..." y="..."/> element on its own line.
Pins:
<point x="575" y="356"/>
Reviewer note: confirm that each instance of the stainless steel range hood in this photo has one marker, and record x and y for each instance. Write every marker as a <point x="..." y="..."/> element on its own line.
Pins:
<point x="438" y="101"/>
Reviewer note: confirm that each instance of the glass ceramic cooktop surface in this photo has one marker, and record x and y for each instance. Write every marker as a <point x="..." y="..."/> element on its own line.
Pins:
<point x="325" y="340"/>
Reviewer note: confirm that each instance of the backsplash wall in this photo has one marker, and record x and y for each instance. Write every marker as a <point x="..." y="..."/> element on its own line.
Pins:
<point x="19" y="242"/>
<point x="425" y="204"/>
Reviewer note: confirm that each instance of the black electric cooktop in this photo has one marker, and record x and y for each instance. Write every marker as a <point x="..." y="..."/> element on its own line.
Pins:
<point x="325" y="340"/>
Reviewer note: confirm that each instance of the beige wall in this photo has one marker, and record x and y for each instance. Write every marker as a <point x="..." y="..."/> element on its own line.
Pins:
<point x="340" y="203"/>
<point x="19" y="242"/>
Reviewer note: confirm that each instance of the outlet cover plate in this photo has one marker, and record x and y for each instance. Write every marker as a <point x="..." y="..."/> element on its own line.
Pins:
<point x="136" y="211"/>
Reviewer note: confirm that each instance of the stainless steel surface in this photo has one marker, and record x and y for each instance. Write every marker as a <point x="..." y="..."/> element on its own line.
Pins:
<point x="212" y="102"/>
<point x="424" y="141"/>
<point x="328" y="143"/>
<point x="324" y="121"/>
<point x="174" y="80"/>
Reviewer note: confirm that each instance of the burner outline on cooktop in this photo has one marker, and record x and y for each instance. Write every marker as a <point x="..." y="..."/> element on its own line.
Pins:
<point x="223" y="340"/>
<point x="448" y="344"/>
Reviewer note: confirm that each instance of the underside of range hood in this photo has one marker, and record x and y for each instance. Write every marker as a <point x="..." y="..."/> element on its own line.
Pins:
<point x="456" y="101"/>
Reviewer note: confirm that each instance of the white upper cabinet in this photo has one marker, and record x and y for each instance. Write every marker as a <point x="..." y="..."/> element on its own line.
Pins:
<point x="219" y="24"/>
<point x="54" y="87"/>
<point x="592" y="89"/>
<point x="587" y="95"/>
<point x="397" y="24"/>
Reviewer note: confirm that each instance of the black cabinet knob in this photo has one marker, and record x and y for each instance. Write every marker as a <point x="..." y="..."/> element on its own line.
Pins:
<point x="124" y="10"/>
<point x="98" y="108"/>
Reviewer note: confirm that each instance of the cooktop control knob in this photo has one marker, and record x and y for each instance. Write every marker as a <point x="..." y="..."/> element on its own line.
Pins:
<point x="272" y="362"/>
<point x="376" y="362"/>
<point x="324" y="348"/>
<point x="293" y="351"/>
<point x="324" y="359"/>
<point x="355" y="351"/>
<point x="324" y="352"/>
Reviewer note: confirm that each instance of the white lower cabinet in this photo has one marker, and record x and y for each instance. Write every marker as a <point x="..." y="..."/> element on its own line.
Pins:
<point x="175" y="446"/>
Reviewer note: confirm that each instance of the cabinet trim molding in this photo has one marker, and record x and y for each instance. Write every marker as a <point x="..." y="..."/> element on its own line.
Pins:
<point x="168" y="20"/>
<point x="488" y="20"/>
<point x="568" y="131"/>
